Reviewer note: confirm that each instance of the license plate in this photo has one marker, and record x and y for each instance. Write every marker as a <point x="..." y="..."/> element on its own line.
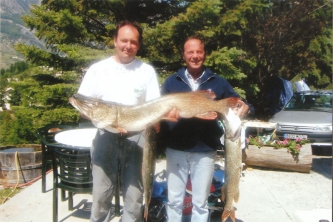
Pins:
<point x="295" y="136"/>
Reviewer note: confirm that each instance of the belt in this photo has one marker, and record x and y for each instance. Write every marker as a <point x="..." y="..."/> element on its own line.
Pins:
<point x="123" y="135"/>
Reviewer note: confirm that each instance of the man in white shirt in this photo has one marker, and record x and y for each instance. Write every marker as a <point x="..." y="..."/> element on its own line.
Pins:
<point x="126" y="80"/>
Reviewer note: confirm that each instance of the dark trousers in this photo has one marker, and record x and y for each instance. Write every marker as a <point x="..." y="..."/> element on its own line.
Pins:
<point x="109" y="153"/>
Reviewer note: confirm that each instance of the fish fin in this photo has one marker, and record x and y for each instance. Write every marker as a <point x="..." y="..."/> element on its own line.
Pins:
<point x="145" y="214"/>
<point x="170" y="119"/>
<point x="233" y="215"/>
<point x="206" y="93"/>
<point x="209" y="115"/>
<point x="232" y="101"/>
<point x="121" y="130"/>
<point x="101" y="125"/>
<point x="227" y="212"/>
<point x="227" y="104"/>
<point x="236" y="198"/>
<point x="225" y="215"/>
<point x="223" y="193"/>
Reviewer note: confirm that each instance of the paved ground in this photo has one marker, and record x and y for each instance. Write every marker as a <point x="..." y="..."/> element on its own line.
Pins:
<point x="266" y="196"/>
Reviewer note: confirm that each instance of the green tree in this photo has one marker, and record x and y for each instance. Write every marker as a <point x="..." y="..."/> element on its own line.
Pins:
<point x="55" y="96"/>
<point x="294" y="42"/>
<point x="246" y="41"/>
<point x="35" y="102"/>
<point x="60" y="116"/>
<point x="22" y="92"/>
<point x="68" y="27"/>
<point x="18" y="126"/>
<point x="249" y="41"/>
<point x="223" y="25"/>
<point x="7" y="135"/>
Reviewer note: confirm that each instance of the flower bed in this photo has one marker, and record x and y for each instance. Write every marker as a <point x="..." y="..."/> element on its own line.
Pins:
<point x="292" y="155"/>
<point x="293" y="146"/>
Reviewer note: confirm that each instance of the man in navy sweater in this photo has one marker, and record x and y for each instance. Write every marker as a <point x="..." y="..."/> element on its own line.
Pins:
<point x="192" y="143"/>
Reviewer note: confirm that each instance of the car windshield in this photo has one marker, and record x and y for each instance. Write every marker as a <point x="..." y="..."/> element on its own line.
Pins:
<point x="310" y="102"/>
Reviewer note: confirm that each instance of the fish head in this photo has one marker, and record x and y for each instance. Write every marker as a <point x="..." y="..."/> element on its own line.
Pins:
<point x="96" y="110"/>
<point x="233" y="125"/>
<point x="82" y="104"/>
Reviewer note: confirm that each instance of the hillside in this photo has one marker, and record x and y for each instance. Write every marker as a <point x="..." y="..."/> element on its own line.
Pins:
<point x="12" y="30"/>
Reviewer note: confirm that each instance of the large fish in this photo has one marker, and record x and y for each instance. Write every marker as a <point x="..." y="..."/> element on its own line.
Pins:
<point x="233" y="164"/>
<point x="148" y="166"/>
<point x="136" y="118"/>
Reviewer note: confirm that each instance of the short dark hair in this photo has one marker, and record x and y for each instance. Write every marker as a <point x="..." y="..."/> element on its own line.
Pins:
<point x="197" y="38"/>
<point x="133" y="24"/>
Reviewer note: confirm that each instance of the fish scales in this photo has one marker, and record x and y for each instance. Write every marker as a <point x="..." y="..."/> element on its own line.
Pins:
<point x="188" y="105"/>
<point x="233" y="172"/>
<point x="148" y="167"/>
<point x="233" y="166"/>
<point x="140" y="117"/>
<point x="137" y="118"/>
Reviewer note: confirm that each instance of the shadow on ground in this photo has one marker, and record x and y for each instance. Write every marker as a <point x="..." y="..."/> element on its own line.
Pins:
<point x="81" y="210"/>
<point x="322" y="161"/>
<point x="323" y="166"/>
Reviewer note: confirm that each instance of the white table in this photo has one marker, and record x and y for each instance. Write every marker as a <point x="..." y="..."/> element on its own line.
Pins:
<point x="83" y="138"/>
<point x="76" y="137"/>
<point x="259" y="125"/>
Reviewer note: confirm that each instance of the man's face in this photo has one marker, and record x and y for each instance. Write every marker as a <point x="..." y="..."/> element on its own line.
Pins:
<point x="126" y="44"/>
<point x="194" y="54"/>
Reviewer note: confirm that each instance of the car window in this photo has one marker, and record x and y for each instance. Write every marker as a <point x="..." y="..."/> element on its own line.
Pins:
<point x="311" y="102"/>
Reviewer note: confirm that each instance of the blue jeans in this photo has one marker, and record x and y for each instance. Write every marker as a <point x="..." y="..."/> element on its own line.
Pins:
<point x="200" y="165"/>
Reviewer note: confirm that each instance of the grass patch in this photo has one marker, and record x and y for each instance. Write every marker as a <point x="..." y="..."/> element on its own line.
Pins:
<point x="7" y="193"/>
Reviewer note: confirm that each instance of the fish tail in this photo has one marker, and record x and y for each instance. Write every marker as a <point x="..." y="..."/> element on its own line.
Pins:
<point x="229" y="213"/>
<point x="145" y="214"/>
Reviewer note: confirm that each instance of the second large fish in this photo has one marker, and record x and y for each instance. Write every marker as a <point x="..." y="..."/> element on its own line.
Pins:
<point x="136" y="118"/>
<point x="148" y="166"/>
<point x="233" y="165"/>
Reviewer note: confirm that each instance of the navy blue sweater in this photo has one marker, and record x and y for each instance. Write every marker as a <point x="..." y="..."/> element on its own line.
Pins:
<point x="194" y="134"/>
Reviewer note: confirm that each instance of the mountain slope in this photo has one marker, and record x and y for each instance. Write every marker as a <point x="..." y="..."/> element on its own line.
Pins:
<point x="13" y="30"/>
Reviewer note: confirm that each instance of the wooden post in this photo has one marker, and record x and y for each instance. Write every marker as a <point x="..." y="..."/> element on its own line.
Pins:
<point x="279" y="158"/>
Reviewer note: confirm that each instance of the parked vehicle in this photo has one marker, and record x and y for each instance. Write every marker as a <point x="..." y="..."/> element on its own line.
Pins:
<point x="307" y="115"/>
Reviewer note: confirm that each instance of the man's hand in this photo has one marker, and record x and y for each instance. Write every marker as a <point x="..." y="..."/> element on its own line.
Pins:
<point x="172" y="115"/>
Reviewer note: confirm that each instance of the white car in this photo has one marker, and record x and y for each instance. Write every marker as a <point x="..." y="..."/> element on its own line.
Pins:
<point x="307" y="115"/>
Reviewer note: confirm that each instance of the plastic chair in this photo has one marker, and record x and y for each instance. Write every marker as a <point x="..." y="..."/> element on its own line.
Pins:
<point x="46" y="136"/>
<point x="71" y="172"/>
